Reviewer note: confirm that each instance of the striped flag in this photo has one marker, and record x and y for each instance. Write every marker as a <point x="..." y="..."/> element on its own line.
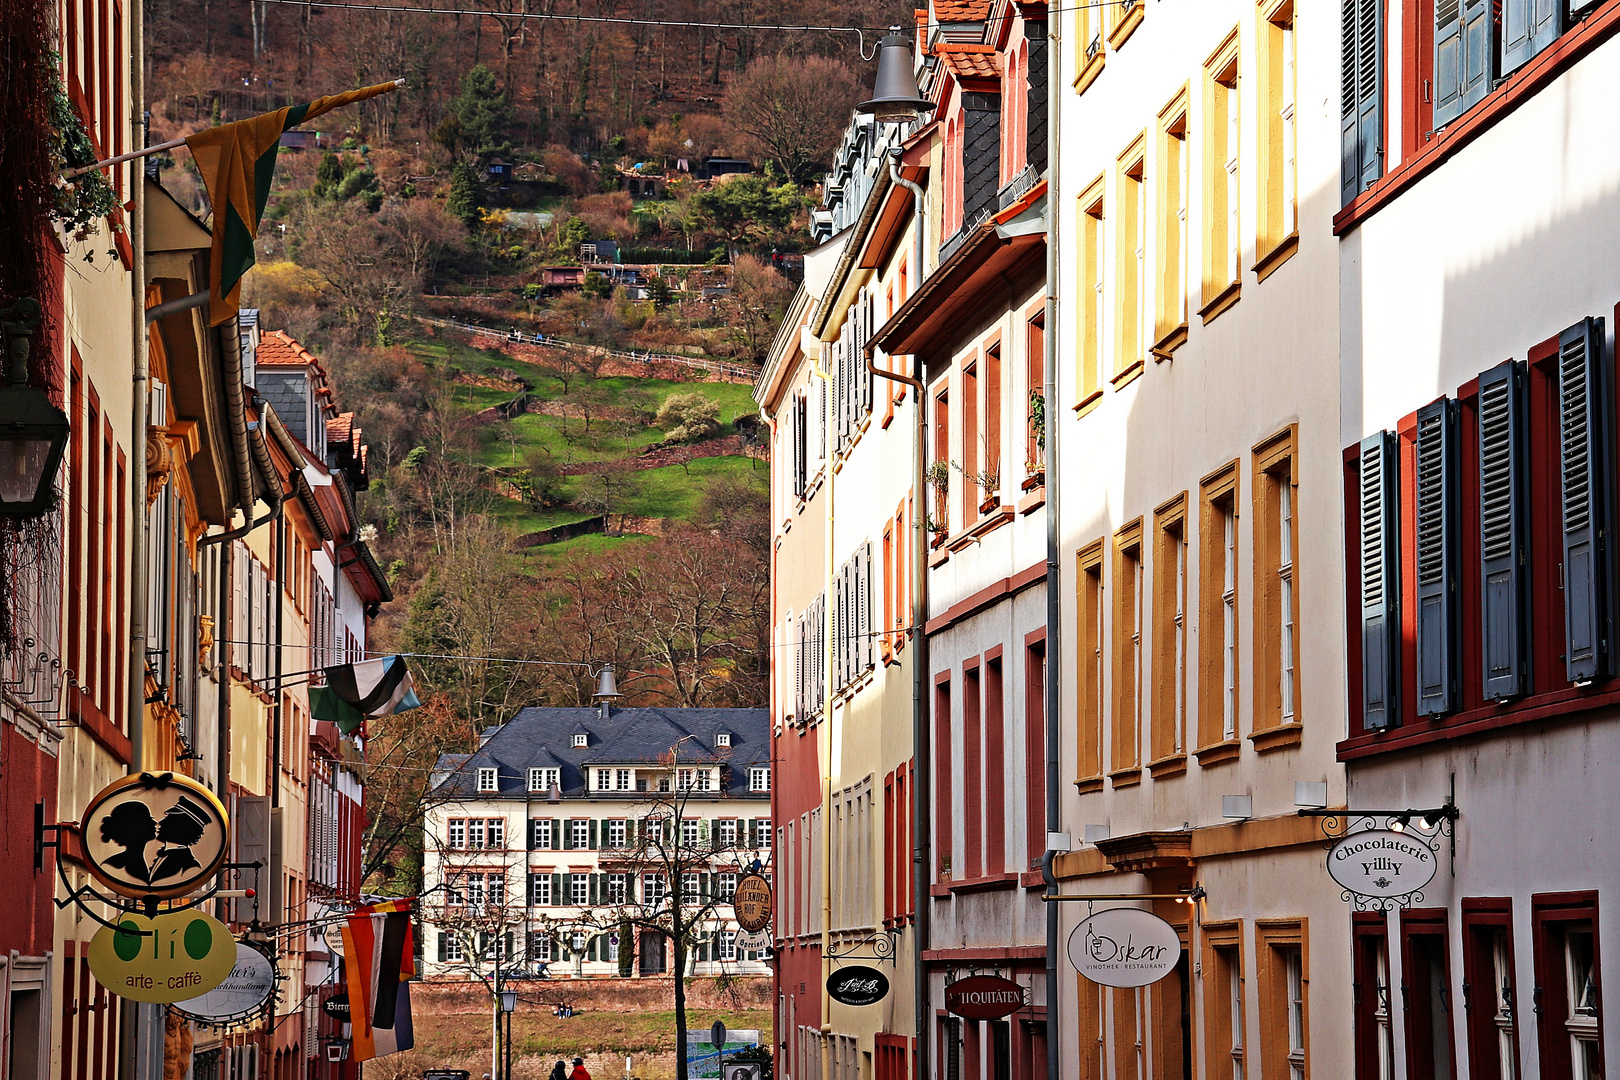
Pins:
<point x="355" y="693"/>
<point x="378" y="961"/>
<point x="237" y="162"/>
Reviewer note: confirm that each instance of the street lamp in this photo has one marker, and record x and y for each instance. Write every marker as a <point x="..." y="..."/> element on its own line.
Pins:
<point x="508" y="1001"/>
<point x="33" y="432"/>
<point x="895" y="98"/>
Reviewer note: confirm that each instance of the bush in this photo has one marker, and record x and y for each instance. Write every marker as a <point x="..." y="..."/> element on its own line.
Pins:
<point x="689" y="417"/>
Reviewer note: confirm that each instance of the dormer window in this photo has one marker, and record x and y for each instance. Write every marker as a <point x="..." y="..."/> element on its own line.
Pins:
<point x="723" y="739"/>
<point x="542" y="779"/>
<point x="604" y="779"/>
<point x="579" y="741"/>
<point x="486" y="779"/>
<point x="759" y="779"/>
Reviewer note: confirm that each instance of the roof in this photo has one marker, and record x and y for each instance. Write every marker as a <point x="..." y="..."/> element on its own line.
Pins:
<point x="971" y="61"/>
<point x="543" y="738"/>
<point x="961" y="10"/>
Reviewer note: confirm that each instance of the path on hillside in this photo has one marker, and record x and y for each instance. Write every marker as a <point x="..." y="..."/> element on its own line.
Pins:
<point x="724" y="446"/>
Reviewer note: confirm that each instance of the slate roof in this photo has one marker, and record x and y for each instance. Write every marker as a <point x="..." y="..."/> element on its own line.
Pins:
<point x="543" y="738"/>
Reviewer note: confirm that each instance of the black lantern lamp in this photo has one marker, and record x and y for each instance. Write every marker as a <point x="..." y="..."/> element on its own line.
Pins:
<point x="895" y="98"/>
<point x="33" y="432"/>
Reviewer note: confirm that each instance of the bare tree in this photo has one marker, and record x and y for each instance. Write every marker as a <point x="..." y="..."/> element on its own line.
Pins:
<point x="793" y="109"/>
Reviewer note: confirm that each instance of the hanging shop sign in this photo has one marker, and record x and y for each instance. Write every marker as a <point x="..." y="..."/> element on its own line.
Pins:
<point x="333" y="936"/>
<point x="337" y="1007"/>
<point x="754" y="939"/>
<point x="155" y="835"/>
<point x="1382" y="864"/>
<point x="244" y="992"/>
<point x="857" y="985"/>
<point x="752" y="903"/>
<point x="984" y="997"/>
<point x="175" y="956"/>
<point x="1124" y="947"/>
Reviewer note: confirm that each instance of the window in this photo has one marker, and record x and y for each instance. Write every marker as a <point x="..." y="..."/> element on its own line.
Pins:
<point x="990" y="467"/>
<point x="726" y="945"/>
<point x="604" y="779"/>
<point x="579" y="740"/>
<point x="475" y="833"/>
<point x="940" y="474"/>
<point x="944" y="780"/>
<point x="621" y="780"/>
<point x="762" y="831"/>
<point x="723" y="739"/>
<point x="1223" y="1002"/>
<point x="615" y="833"/>
<point x="540" y="889"/>
<point x="1089" y="645"/>
<point x="1284" y="985"/>
<point x="1488" y="994"/>
<point x="972" y="771"/>
<point x="1170" y="310"/>
<point x="1427" y="994"/>
<point x="1035" y="387"/>
<point x="1091" y="30"/>
<point x="1089" y="292"/>
<point x="1127" y="656"/>
<point x="653" y="889"/>
<point x="727" y="888"/>
<point x="690" y="889"/>
<point x="705" y="779"/>
<point x="1169" y="631"/>
<point x="1276" y="600"/>
<point x="759" y="779"/>
<point x="1361" y="79"/>
<point x="539" y="947"/>
<point x="616" y="888"/>
<point x="994" y="765"/>
<point x="1277" y="173"/>
<point x="451" y="948"/>
<point x="1218" y="619"/>
<point x="725" y="833"/>
<point x="495" y="886"/>
<point x="543" y="779"/>
<point x="496" y="832"/>
<point x="544" y="834"/>
<point x="1222" y="239"/>
<point x="1130" y="259"/>
<point x="654" y="830"/>
<point x="579" y="889"/>
<point x="971" y="466"/>
<point x="684" y="781"/>
<point x="456" y="834"/>
<point x="473" y="888"/>
<point x="1034" y="778"/>
<point x="1374" y="1037"/>
<point x="486" y="779"/>
<point x="689" y="833"/>
<point x="579" y="833"/>
<point x="1565" y="928"/>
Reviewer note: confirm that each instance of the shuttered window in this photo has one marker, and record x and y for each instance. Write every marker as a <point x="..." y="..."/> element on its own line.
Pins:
<point x="1435" y="453"/>
<point x="1583" y="446"/>
<point x="1503" y="528"/>
<point x="1380" y="582"/>
<point x="1464" y="56"/>
<point x="1528" y="26"/>
<point x="1361" y="99"/>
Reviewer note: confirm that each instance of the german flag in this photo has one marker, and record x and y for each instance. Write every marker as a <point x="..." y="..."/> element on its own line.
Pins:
<point x="378" y="962"/>
<point x="237" y="162"/>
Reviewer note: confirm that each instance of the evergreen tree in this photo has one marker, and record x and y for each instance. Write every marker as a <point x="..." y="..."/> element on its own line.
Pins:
<point x="466" y="195"/>
<point x="328" y="174"/>
<point x="482" y="114"/>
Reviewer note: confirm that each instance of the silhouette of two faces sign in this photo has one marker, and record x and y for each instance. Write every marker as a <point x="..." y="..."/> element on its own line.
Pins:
<point x="155" y="834"/>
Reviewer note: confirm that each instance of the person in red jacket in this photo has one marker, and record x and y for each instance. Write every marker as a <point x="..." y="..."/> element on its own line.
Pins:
<point x="579" y="1072"/>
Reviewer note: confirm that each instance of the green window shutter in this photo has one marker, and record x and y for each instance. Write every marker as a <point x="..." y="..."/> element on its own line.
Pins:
<point x="703" y="886"/>
<point x="444" y="946"/>
<point x="557" y="898"/>
<point x="594" y="837"/>
<point x="556" y="832"/>
<point x="509" y="953"/>
<point x="590" y="889"/>
<point x="703" y="833"/>
<point x="567" y="835"/>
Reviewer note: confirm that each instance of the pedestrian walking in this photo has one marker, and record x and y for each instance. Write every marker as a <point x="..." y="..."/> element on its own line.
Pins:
<point x="559" y="1071"/>
<point x="579" y="1072"/>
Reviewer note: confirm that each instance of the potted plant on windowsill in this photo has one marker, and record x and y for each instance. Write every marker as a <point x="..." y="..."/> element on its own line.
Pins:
<point x="938" y="530"/>
<point x="938" y="477"/>
<point x="989" y="482"/>
<point x="944" y="868"/>
<point x="1034" y="467"/>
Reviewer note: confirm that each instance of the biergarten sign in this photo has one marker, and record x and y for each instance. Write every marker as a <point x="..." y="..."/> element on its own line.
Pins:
<point x="752" y="903"/>
<point x="155" y="835"/>
<point x="337" y="1007"/>
<point x="984" y="997"/>
<point x="1124" y="947"/>
<point x="242" y="994"/>
<point x="857" y="985"/>
<point x="173" y="957"/>
<point x="1381" y="866"/>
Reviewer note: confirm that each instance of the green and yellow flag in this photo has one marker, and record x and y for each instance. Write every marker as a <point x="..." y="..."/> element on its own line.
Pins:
<point x="238" y="162"/>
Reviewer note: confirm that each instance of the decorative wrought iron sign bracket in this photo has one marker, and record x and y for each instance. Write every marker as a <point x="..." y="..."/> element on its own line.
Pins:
<point x="881" y="945"/>
<point x="1384" y="859"/>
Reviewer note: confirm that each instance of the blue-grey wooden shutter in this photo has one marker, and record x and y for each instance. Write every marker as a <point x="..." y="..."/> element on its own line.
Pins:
<point x="1583" y="439"/>
<point x="1361" y="95"/>
<point x="1502" y="539"/>
<point x="1464" y="56"/>
<point x="1437" y="515"/>
<point x="1380" y="582"/>
<point x="1528" y="26"/>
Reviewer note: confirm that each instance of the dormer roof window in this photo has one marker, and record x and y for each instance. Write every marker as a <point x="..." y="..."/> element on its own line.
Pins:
<point x="486" y="779"/>
<point x="723" y="738"/>
<point x="579" y="740"/>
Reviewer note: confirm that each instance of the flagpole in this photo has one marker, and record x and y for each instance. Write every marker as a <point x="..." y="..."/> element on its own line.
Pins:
<point x="147" y="152"/>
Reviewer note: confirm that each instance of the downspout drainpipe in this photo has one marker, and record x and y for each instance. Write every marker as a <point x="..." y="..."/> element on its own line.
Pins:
<point x="922" y="781"/>
<point x="829" y="657"/>
<point x="1054" y="606"/>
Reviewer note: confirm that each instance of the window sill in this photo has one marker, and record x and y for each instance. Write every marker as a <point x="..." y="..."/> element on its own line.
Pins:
<point x="1168" y="344"/>
<point x="1519" y="87"/>
<point x="1219" y="753"/>
<point x="1088" y="785"/>
<point x="988" y="883"/>
<point x="1167" y="767"/>
<point x="1031" y="879"/>
<point x="1089" y="70"/>
<point x="939" y="558"/>
<point x="987" y="524"/>
<point x="1278" y="738"/>
<point x="1033" y="501"/>
<point x="1268" y="263"/>
<point x="1223" y="300"/>
<point x="1087" y="403"/>
<point x="1131" y="372"/>
<point x="1127" y="25"/>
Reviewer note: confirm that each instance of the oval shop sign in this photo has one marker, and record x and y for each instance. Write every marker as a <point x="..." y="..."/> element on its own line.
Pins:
<point x="247" y="989"/>
<point x="984" y="997"/>
<point x="178" y="955"/>
<point x="1381" y="863"/>
<point x="857" y="985"/>
<point x="1124" y="947"/>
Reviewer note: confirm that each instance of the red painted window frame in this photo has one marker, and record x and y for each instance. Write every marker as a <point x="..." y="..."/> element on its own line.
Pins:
<point x="1429" y="923"/>
<point x="1035" y="747"/>
<point x="1487" y="912"/>
<point x="1548" y="913"/>
<point x="995" y="764"/>
<point x="944" y="839"/>
<point x="972" y="769"/>
<point x="1366" y="928"/>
